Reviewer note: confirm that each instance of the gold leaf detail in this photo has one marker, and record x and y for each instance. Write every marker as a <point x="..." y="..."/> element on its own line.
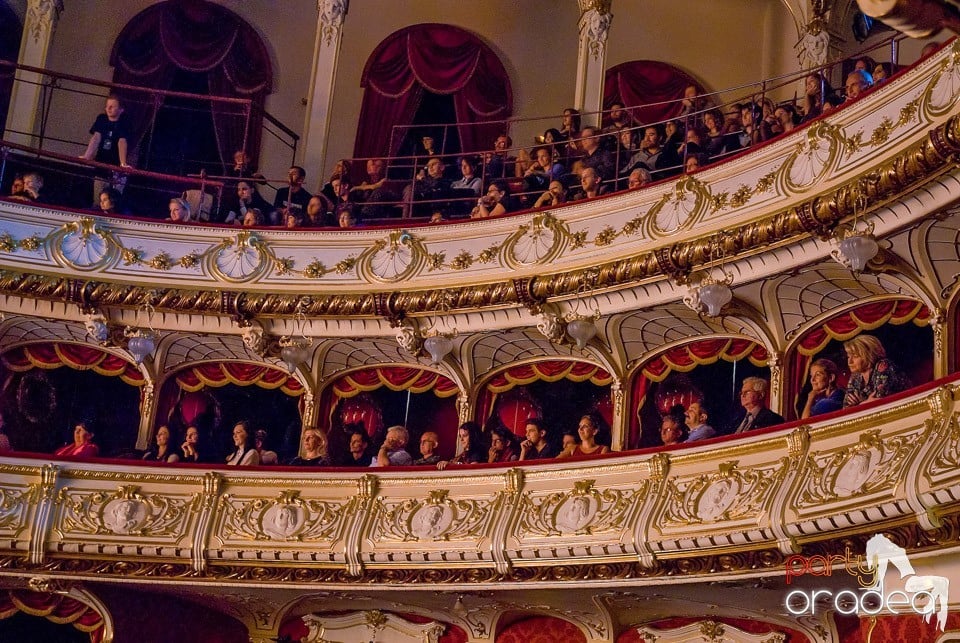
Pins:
<point x="435" y="261"/>
<point x="606" y="236"/>
<point x="31" y="243"/>
<point x="741" y="196"/>
<point x="131" y="256"/>
<point x="7" y="242"/>
<point x="161" y="262"/>
<point x="578" y="239"/>
<point x="462" y="261"/>
<point x="719" y="201"/>
<point x="488" y="255"/>
<point x="189" y="260"/>
<point x="283" y="265"/>
<point x="315" y="269"/>
<point x="345" y="265"/>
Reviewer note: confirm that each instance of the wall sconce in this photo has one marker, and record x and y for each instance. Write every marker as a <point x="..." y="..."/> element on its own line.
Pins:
<point x="142" y="343"/>
<point x="712" y="293"/>
<point x="582" y="328"/>
<point x="855" y="247"/>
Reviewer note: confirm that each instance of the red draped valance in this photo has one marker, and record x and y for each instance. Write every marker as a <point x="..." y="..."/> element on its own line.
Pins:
<point x="54" y="607"/>
<point x="240" y="373"/>
<point x="441" y="59"/>
<point x="76" y="356"/>
<point x="647" y="86"/>
<point x="396" y="378"/>
<point x="549" y="371"/>
<point x="866" y="317"/>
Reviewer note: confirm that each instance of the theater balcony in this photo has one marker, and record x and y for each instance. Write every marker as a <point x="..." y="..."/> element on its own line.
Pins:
<point x="622" y="305"/>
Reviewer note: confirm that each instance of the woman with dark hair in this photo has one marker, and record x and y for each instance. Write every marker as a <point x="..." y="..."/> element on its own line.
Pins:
<point x="471" y="446"/>
<point x="163" y="452"/>
<point x="503" y="446"/>
<point x="245" y="454"/>
<point x="816" y="86"/>
<point x="570" y="123"/>
<point x="191" y="445"/>
<point x="82" y="445"/>
<point x="587" y="430"/>
<point x="824" y="395"/>
<point x="497" y="201"/>
<point x="468" y="175"/>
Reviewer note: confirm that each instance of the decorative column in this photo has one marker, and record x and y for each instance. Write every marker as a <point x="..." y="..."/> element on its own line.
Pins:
<point x="38" y="28"/>
<point x="148" y="400"/>
<point x="595" y="19"/>
<point x="326" y="55"/>
<point x="619" y="422"/>
<point x="941" y="355"/>
<point x="776" y="382"/>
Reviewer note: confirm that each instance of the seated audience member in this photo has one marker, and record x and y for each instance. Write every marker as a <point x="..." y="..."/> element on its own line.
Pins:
<point x="17" y="185"/>
<point x="638" y="178"/>
<point x="429" y="442"/>
<point x="831" y="103"/>
<point x="110" y="203"/>
<point x="497" y="201"/>
<point x="180" y="211"/>
<point x="4" y="439"/>
<point x="881" y="72"/>
<point x="319" y="213"/>
<point x="314" y="450"/>
<point x="503" y="446"/>
<point x="568" y="440"/>
<point x="294" y="196"/>
<point x="649" y="153"/>
<point x="753" y="398"/>
<point x="620" y="121"/>
<point x="732" y="123"/>
<point x="865" y="63"/>
<point x="570" y="124"/>
<point x="347" y="215"/>
<point x="536" y="446"/>
<point x="248" y="198"/>
<point x="522" y="163"/>
<point x="787" y="117"/>
<point x="858" y="81"/>
<point x="694" y="162"/>
<point x="164" y="450"/>
<point x="595" y="155"/>
<point x="755" y="129"/>
<point x="82" y="446"/>
<point x="542" y="170"/>
<point x="697" y="416"/>
<point x="341" y="169"/>
<point x="243" y="167"/>
<point x="392" y="452"/>
<point x="373" y="193"/>
<point x="428" y="186"/>
<point x="468" y="181"/>
<point x="253" y="217"/>
<point x="191" y="446"/>
<point x="32" y="187"/>
<point x="292" y="219"/>
<point x="671" y="155"/>
<point x="590" y="186"/>
<point x="556" y="195"/>
<point x="244" y="453"/>
<point x="359" y="453"/>
<point x="872" y="375"/>
<point x="588" y="429"/>
<point x="499" y="164"/>
<point x="260" y="444"/>
<point x="470" y="445"/>
<point x="673" y="427"/>
<point x="824" y="396"/>
<point x="816" y="87"/>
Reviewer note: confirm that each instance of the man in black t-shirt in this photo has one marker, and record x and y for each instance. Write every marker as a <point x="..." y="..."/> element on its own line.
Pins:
<point x="108" y="135"/>
<point x="293" y="197"/>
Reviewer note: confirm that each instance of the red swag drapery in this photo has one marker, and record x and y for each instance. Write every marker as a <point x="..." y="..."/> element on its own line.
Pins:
<point x="441" y="59"/>
<point x="200" y="37"/>
<point x="76" y="356"/>
<point x="848" y="325"/>
<point x="240" y="373"/>
<point x="687" y="357"/>
<point x="396" y="378"/>
<point x="541" y="629"/>
<point x="54" y="607"/>
<point x="646" y="86"/>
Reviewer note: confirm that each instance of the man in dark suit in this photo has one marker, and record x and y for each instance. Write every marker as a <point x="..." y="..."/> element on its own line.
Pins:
<point x="753" y="399"/>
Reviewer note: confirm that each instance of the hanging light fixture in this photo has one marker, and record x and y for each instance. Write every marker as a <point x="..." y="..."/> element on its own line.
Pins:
<point x="712" y="293"/>
<point x="295" y="348"/>
<point x="141" y="343"/>
<point x="856" y="247"/>
<point x="582" y="328"/>
<point x="439" y="344"/>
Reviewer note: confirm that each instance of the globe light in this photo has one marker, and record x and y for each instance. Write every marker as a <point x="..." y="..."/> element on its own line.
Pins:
<point x="858" y="250"/>
<point x="438" y="346"/>
<point x="141" y="345"/>
<point x="581" y="329"/>
<point x="715" y="295"/>
<point x="295" y="352"/>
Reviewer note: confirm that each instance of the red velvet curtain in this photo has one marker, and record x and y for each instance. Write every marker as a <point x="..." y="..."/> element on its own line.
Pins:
<point x="54" y="607"/>
<point x="442" y="59"/>
<point x="645" y="86"/>
<point x="541" y="629"/>
<point x="76" y="356"/>
<point x="240" y="373"/>
<point x="747" y="625"/>
<point x="200" y="37"/>
<point x="396" y="378"/>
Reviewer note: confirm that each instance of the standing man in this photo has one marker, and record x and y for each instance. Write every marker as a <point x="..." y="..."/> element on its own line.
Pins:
<point x="536" y="446"/>
<point x="108" y="143"/>
<point x="392" y="452"/>
<point x="429" y="442"/>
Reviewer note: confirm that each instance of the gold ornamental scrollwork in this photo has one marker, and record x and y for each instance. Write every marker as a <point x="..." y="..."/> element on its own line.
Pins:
<point x="438" y="517"/>
<point x="238" y="259"/>
<point x="402" y="255"/>
<point x="14" y="503"/>
<point x="288" y="517"/>
<point x="814" y="157"/>
<point x="678" y="210"/>
<point x="941" y="93"/>
<point x="125" y="512"/>
<point x="582" y="510"/>
<point x="82" y="245"/>
<point x="870" y="465"/>
<point x="537" y="243"/>
<point x="728" y="494"/>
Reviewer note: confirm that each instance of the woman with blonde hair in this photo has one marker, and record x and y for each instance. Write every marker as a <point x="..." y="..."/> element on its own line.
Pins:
<point x="180" y="211"/>
<point x="872" y="375"/>
<point x="824" y="395"/>
<point x="314" y="450"/>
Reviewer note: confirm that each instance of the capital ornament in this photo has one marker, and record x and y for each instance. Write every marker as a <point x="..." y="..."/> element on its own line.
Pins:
<point x="595" y="27"/>
<point x="43" y="16"/>
<point x="332" y="14"/>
